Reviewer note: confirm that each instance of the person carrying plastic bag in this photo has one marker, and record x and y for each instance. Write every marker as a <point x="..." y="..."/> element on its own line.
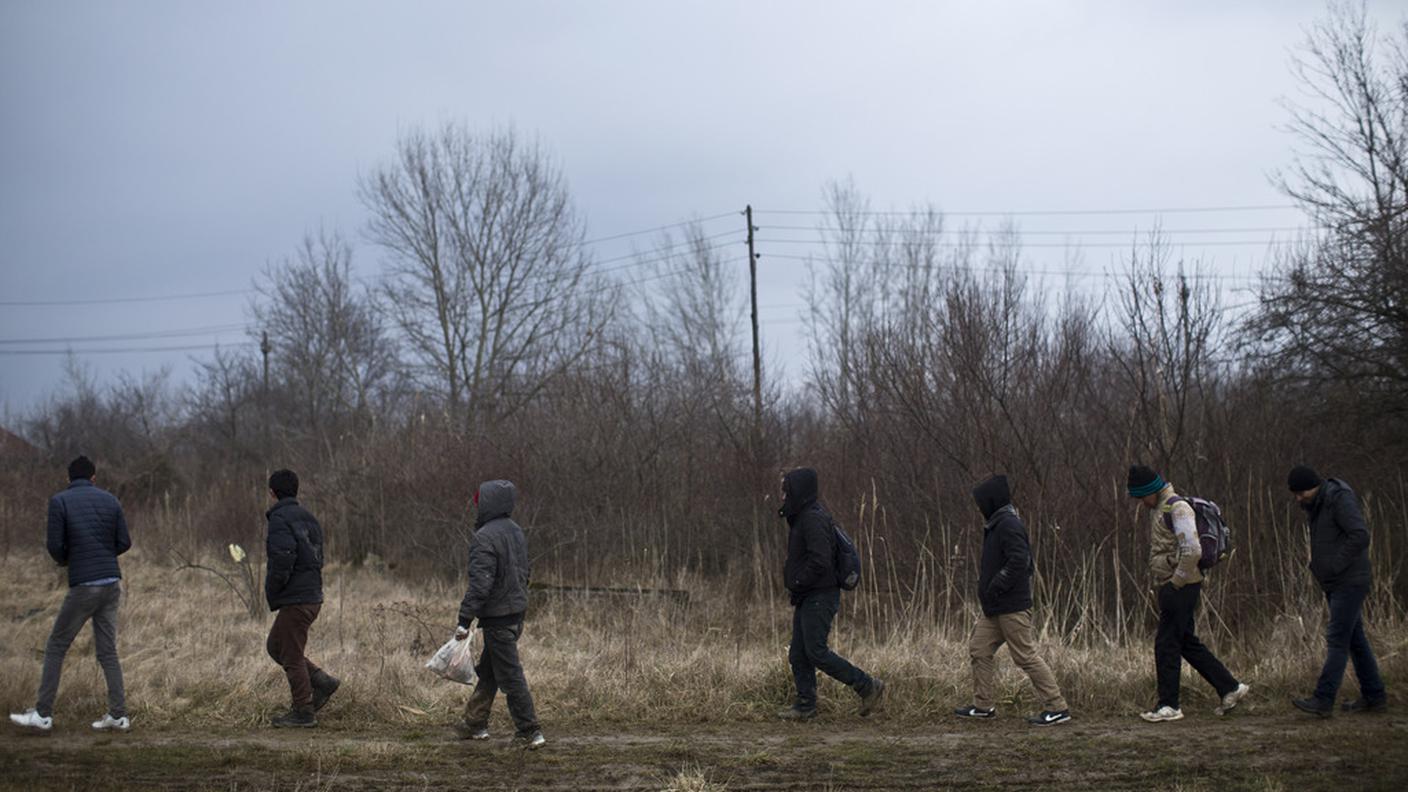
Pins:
<point x="498" y="597"/>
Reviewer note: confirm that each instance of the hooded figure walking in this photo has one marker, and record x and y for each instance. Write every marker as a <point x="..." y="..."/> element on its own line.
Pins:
<point x="1005" y="592"/>
<point x="1339" y="561"/>
<point x="810" y="576"/>
<point x="498" y="597"/>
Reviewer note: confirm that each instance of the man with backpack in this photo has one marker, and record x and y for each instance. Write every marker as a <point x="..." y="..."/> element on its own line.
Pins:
<point x="1339" y="560"/>
<point x="811" y="576"/>
<point x="293" y="588"/>
<point x="1176" y="561"/>
<point x="1005" y="592"/>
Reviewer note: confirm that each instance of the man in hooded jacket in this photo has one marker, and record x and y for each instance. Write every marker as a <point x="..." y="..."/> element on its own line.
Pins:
<point x="499" y="569"/>
<point x="1339" y="561"/>
<point x="1005" y="593"/>
<point x="810" y="577"/>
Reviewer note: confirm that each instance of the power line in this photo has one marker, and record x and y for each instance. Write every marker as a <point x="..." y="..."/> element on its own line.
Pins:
<point x="176" y="333"/>
<point x="233" y="292"/>
<point x="108" y="300"/>
<point x="125" y="350"/>
<point x="1043" y="212"/>
<point x="1020" y="244"/>
<point x="665" y="227"/>
<point x="1160" y="232"/>
<point x="1051" y="272"/>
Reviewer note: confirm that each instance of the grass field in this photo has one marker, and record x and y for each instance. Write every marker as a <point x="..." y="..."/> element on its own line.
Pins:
<point x="641" y="692"/>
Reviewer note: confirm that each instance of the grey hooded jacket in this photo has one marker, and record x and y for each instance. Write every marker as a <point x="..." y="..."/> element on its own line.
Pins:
<point x="498" y="561"/>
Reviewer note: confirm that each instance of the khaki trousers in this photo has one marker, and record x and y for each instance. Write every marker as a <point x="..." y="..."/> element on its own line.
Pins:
<point x="1015" y="630"/>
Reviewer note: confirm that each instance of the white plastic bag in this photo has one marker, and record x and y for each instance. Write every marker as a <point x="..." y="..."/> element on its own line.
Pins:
<point x="455" y="660"/>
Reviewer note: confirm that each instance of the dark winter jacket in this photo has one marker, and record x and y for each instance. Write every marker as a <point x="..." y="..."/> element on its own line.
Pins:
<point x="87" y="532"/>
<point x="811" y="540"/>
<point x="499" y="568"/>
<point x="1339" y="539"/>
<point x="1005" y="574"/>
<point x="295" y="556"/>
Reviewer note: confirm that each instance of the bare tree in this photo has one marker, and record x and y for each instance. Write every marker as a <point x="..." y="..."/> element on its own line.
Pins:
<point x="487" y="275"/>
<point x="1335" y="309"/>
<point x="331" y="354"/>
<point x="694" y="319"/>
<point x="1164" y="343"/>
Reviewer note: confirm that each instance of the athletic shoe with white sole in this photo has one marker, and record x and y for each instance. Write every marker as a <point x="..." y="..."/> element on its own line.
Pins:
<point x="1162" y="714"/>
<point x="1229" y="701"/>
<point x="31" y="719"/>
<point x="1050" y="717"/>
<point x="532" y="742"/>
<point x="973" y="711"/>
<point x="109" y="723"/>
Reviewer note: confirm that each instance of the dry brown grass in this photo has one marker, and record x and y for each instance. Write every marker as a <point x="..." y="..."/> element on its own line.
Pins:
<point x="192" y="655"/>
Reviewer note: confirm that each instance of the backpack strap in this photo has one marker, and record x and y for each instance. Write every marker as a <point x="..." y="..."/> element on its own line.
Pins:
<point x="1167" y="508"/>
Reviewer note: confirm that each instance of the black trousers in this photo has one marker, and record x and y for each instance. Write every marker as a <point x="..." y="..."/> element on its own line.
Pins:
<point x="811" y="625"/>
<point x="1176" y="642"/>
<point x="500" y="669"/>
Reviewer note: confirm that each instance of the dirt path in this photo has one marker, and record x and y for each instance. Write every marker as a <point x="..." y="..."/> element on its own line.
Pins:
<point x="1254" y="751"/>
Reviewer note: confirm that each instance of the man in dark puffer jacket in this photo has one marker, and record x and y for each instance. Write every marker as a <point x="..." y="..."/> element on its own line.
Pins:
<point x="1339" y="560"/>
<point x="86" y="533"/>
<point x="1005" y="592"/>
<point x="497" y="596"/>
<point x="294" y="590"/>
<point x="810" y="577"/>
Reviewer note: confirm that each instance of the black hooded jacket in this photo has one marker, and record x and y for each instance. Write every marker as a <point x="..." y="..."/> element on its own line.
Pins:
<point x="1005" y="574"/>
<point x="499" y="567"/>
<point x="1339" y="539"/>
<point x="811" y="541"/>
<point x="294" y="555"/>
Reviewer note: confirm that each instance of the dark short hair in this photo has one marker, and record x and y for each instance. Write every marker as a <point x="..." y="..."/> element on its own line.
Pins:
<point x="81" y="468"/>
<point x="284" y="483"/>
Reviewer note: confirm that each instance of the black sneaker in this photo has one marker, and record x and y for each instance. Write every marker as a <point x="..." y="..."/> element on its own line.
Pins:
<point x="873" y="699"/>
<point x="1360" y="705"/>
<point x="1315" y="706"/>
<point x="324" y="685"/>
<point x="295" y="719"/>
<point x="530" y="742"/>
<point x="1050" y="718"/>
<point x="971" y="711"/>
<point x="797" y="713"/>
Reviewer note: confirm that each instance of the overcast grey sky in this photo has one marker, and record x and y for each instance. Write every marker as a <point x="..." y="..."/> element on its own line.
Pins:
<point x="160" y="148"/>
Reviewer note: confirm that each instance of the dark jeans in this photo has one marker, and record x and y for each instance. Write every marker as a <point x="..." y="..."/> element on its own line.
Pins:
<point x="500" y="669"/>
<point x="811" y="624"/>
<point x="1176" y="642"/>
<point x="99" y="603"/>
<point x="287" y="640"/>
<point x="1345" y="640"/>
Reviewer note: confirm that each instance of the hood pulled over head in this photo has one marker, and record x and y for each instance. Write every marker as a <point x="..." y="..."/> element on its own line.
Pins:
<point x="799" y="490"/>
<point x="496" y="499"/>
<point x="992" y="495"/>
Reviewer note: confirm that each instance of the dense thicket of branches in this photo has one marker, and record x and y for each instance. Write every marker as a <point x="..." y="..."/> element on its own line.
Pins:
<point x="495" y="348"/>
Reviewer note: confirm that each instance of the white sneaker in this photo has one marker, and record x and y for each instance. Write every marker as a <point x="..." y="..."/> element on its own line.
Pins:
<point x="1230" y="700"/>
<point x="109" y="722"/>
<point x="31" y="719"/>
<point x="1162" y="714"/>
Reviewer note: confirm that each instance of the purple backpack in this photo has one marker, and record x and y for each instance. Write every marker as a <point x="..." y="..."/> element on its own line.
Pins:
<point x="1213" y="533"/>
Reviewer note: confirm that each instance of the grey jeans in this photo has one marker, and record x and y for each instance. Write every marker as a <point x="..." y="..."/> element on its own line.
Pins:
<point x="100" y="604"/>
<point x="499" y="669"/>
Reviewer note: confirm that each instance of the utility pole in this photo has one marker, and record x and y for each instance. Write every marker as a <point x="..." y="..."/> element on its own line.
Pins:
<point x="264" y="349"/>
<point x="757" y="354"/>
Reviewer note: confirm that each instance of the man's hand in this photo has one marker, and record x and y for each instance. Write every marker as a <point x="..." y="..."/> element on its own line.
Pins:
<point x="461" y="633"/>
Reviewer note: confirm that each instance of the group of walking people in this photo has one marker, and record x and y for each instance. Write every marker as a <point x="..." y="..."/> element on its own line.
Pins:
<point x="87" y="532"/>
